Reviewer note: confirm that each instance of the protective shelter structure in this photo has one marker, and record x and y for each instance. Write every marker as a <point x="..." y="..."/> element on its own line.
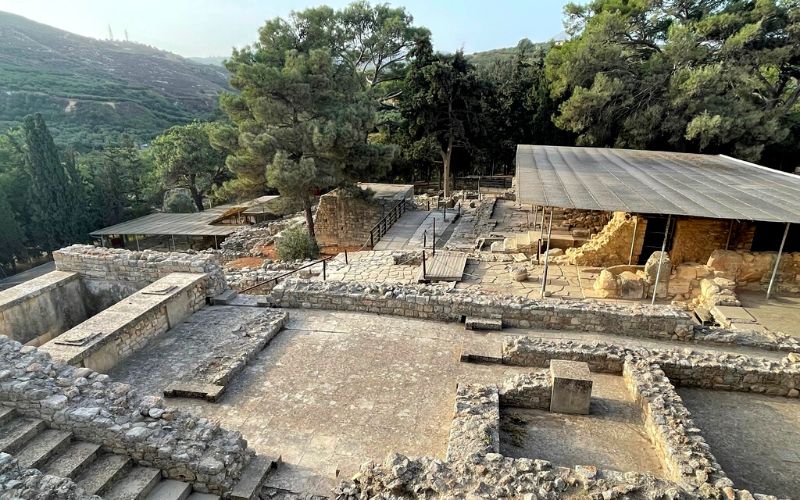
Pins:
<point x="206" y="228"/>
<point x="658" y="183"/>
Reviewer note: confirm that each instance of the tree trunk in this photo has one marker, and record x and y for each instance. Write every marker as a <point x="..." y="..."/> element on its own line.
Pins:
<point x="309" y="217"/>
<point x="446" y="156"/>
<point x="196" y="195"/>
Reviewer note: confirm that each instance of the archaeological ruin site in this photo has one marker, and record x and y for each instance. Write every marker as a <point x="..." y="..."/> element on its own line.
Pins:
<point x="605" y="324"/>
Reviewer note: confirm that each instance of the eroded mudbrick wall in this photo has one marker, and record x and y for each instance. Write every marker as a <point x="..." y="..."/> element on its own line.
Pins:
<point x="111" y="274"/>
<point x="344" y="220"/>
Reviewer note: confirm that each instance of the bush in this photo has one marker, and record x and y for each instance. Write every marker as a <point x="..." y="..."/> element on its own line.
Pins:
<point x="295" y="243"/>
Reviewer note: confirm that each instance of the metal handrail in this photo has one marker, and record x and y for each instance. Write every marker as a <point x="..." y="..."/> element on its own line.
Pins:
<point x="384" y="224"/>
<point x="288" y="273"/>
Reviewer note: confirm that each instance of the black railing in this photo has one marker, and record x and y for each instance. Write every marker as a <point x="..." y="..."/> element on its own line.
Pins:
<point x="379" y="230"/>
<point x="289" y="273"/>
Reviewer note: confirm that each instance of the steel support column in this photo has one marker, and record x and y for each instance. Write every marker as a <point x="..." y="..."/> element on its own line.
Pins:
<point x="661" y="259"/>
<point x="633" y="238"/>
<point x="547" y="251"/>
<point x="777" y="261"/>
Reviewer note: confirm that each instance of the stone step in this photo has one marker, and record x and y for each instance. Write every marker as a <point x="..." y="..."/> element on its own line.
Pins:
<point x="186" y="389"/>
<point x="15" y="433"/>
<point x="202" y="496"/>
<point x="42" y="448"/>
<point x="473" y="323"/>
<point x="253" y="477"/>
<point x="73" y="460"/>
<point x="6" y="414"/>
<point x="101" y="474"/>
<point x="170" y="489"/>
<point x="224" y="298"/>
<point x="135" y="485"/>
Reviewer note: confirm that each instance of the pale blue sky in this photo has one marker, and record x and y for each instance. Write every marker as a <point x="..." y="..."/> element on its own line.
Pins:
<point x="212" y="27"/>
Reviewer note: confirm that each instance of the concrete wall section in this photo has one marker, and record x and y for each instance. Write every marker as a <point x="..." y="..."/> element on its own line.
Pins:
<point x="40" y="309"/>
<point x="109" y="337"/>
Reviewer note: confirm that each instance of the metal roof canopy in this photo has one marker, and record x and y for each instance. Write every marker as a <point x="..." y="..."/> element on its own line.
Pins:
<point x="655" y="182"/>
<point x="194" y="224"/>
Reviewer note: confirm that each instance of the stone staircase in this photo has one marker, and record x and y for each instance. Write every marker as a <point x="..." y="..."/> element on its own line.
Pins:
<point x="108" y="475"/>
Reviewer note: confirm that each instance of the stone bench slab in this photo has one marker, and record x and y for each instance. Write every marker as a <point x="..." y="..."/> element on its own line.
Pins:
<point x="473" y="323"/>
<point x="181" y="389"/>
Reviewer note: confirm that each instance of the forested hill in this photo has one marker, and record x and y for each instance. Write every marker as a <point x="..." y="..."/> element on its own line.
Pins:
<point x="489" y="57"/>
<point x="91" y="90"/>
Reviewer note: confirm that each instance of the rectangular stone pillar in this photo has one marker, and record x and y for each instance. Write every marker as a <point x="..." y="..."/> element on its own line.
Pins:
<point x="572" y="387"/>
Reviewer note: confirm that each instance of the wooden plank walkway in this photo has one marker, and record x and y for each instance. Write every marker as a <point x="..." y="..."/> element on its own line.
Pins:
<point x="444" y="266"/>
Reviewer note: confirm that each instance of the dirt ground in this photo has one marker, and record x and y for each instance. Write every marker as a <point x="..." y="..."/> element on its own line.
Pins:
<point x="756" y="439"/>
<point x="612" y="436"/>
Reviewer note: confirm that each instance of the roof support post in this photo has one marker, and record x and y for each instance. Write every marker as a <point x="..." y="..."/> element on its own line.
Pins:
<point x="216" y="244"/>
<point x="137" y="242"/>
<point x="777" y="261"/>
<point x="546" y="252"/>
<point x="174" y="248"/>
<point x="633" y="238"/>
<point x="661" y="259"/>
<point x="730" y="232"/>
<point x="535" y="213"/>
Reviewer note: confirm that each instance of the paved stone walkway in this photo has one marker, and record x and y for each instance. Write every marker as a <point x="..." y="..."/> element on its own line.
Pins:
<point x="407" y="233"/>
<point x="779" y="314"/>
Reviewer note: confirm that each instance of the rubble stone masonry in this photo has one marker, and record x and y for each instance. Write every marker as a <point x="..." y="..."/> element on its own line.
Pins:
<point x="438" y="303"/>
<point x="111" y="274"/>
<point x="96" y="409"/>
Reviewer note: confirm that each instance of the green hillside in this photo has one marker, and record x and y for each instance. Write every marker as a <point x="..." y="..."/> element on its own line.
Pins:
<point x="90" y="90"/>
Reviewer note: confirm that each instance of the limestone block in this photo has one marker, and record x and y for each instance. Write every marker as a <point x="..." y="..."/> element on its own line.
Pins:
<point x="651" y="267"/>
<point x="726" y="261"/>
<point x="572" y="387"/>
<point x="631" y="285"/>
<point x="519" y="274"/>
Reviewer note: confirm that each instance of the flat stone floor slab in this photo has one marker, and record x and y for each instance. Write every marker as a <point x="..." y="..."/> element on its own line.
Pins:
<point x="756" y="439"/>
<point x="780" y="314"/>
<point x="612" y="436"/>
<point x="334" y="390"/>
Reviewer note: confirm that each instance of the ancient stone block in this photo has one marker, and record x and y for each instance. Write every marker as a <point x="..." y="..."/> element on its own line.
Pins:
<point x="572" y="387"/>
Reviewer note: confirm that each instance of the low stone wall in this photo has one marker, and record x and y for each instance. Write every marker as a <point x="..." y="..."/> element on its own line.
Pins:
<point x="438" y="303"/>
<point x="685" y="367"/>
<point x="475" y="428"/>
<point x="529" y="390"/>
<point x="681" y="448"/>
<point x="755" y="268"/>
<point x="42" y="308"/>
<point x="112" y="335"/>
<point x="96" y="409"/>
<point x="111" y="274"/>
<point x="19" y="482"/>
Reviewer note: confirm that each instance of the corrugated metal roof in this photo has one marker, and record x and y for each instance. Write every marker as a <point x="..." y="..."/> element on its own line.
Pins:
<point x="655" y="182"/>
<point x="195" y="224"/>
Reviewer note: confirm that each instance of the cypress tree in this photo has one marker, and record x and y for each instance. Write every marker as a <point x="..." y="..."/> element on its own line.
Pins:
<point x="54" y="203"/>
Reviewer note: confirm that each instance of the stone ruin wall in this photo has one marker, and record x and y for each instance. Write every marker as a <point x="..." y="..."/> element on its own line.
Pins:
<point x="344" y="220"/>
<point x="40" y="309"/>
<point x="612" y="245"/>
<point x="112" y="414"/>
<point x="109" y="274"/>
<point x="695" y="239"/>
<point x="437" y="303"/>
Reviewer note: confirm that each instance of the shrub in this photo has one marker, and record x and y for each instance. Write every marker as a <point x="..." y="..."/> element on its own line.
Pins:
<point x="295" y="243"/>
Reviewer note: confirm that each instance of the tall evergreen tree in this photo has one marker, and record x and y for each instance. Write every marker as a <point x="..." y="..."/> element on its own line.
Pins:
<point x="12" y="245"/>
<point x="55" y="199"/>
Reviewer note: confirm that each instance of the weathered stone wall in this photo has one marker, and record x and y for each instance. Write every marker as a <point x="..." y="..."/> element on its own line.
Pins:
<point x="681" y="448"/>
<point x="695" y="239"/>
<point x="344" y="220"/>
<point x="755" y="268"/>
<point x="612" y="245"/>
<point x="114" y="334"/>
<point x="475" y="428"/>
<point x="38" y="310"/>
<point x="19" y="482"/>
<point x="438" y="303"/>
<point x="686" y="368"/>
<point x="111" y="274"/>
<point x="96" y="409"/>
<point x="527" y="390"/>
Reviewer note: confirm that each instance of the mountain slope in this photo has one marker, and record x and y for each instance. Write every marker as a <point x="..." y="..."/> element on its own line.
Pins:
<point x="91" y="89"/>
